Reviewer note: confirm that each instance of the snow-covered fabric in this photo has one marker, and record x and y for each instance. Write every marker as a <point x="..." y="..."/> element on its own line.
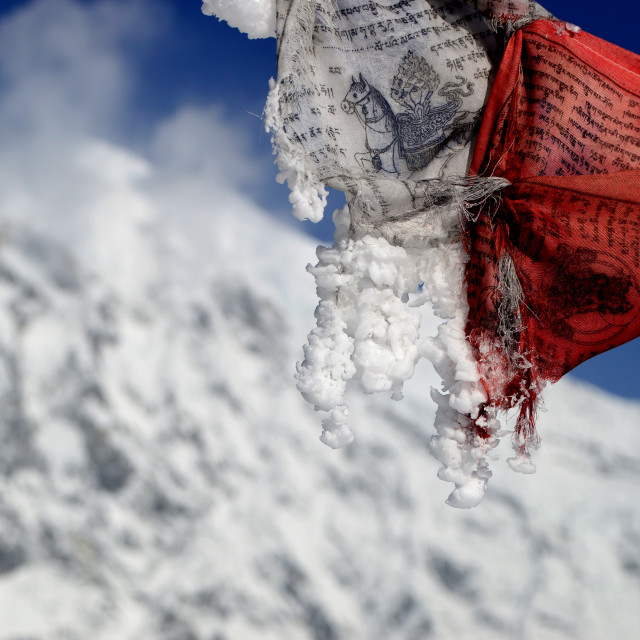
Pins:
<point x="383" y="101"/>
<point x="389" y="101"/>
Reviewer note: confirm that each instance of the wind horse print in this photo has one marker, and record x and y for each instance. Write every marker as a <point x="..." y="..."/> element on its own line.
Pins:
<point x="490" y="158"/>
<point x="411" y="140"/>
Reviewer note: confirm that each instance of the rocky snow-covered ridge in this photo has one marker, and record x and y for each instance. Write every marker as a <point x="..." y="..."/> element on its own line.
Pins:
<point x="161" y="478"/>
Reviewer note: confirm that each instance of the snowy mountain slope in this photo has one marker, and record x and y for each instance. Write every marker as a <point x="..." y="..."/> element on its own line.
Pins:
<point x="161" y="477"/>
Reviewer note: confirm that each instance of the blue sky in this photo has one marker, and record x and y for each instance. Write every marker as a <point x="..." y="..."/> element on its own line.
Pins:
<point x="176" y="57"/>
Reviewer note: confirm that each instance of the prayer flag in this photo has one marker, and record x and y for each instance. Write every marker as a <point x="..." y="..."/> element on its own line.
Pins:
<point x="553" y="270"/>
<point x="490" y="155"/>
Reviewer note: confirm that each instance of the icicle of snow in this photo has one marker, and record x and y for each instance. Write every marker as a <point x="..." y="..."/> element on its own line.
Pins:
<point x="256" y="18"/>
<point x="365" y="331"/>
<point x="522" y="463"/>
<point x="368" y="329"/>
<point x="457" y="446"/>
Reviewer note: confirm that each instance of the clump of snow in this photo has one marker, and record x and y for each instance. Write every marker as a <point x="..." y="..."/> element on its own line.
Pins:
<point x="568" y="27"/>
<point x="256" y="18"/>
<point x="368" y="330"/>
<point x="522" y="463"/>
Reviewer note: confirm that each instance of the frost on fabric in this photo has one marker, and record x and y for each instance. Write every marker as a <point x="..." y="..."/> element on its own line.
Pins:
<point x="256" y="18"/>
<point x="378" y="273"/>
<point x="368" y="330"/>
<point x="368" y="322"/>
<point x="307" y="194"/>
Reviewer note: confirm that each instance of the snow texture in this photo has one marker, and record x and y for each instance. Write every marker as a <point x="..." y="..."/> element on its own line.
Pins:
<point x="157" y="482"/>
<point x="307" y="195"/>
<point x="368" y="329"/>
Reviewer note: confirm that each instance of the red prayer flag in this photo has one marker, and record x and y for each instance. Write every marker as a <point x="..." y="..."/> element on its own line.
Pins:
<point x="554" y="262"/>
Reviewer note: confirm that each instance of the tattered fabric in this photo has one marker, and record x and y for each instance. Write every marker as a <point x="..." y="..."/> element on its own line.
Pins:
<point x="553" y="270"/>
<point x="489" y="155"/>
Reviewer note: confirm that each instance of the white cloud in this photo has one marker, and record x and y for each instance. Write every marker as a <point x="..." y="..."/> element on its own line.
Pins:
<point x="66" y="75"/>
<point x="62" y="63"/>
<point x="256" y="18"/>
<point x="202" y="141"/>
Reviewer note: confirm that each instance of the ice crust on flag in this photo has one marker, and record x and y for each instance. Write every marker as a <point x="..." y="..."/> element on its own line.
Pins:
<point x="307" y="194"/>
<point x="399" y="242"/>
<point x="368" y="330"/>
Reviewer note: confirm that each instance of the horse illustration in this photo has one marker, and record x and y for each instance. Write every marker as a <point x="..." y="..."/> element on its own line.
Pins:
<point x="424" y="134"/>
<point x="380" y="125"/>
